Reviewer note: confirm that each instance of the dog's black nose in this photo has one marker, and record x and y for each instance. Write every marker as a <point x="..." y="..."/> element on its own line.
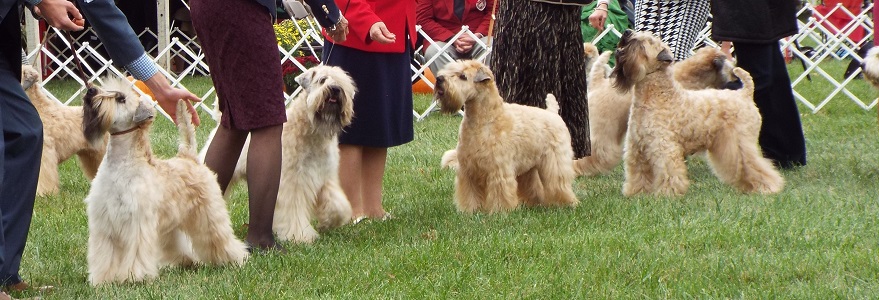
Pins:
<point x="335" y="90"/>
<point x="439" y="79"/>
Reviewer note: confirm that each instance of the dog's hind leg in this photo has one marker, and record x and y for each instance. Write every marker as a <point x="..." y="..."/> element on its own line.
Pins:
<point x="177" y="250"/>
<point x="530" y="189"/>
<point x="210" y="230"/>
<point x="294" y="209"/>
<point x="333" y="208"/>
<point x="90" y="160"/>
<point x="558" y="175"/>
<point x="740" y="164"/>
<point x="48" y="182"/>
<point x="605" y="156"/>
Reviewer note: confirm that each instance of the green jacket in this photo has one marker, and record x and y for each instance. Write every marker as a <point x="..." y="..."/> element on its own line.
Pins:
<point x="615" y="16"/>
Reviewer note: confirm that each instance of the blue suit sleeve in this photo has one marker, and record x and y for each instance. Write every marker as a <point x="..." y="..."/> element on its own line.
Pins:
<point x="325" y="12"/>
<point x="117" y="36"/>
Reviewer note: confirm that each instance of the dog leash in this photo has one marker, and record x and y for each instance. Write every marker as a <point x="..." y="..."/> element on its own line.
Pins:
<point x="333" y="45"/>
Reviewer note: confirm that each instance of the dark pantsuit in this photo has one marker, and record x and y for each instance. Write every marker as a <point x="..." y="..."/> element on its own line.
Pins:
<point x="781" y="135"/>
<point x="22" y="146"/>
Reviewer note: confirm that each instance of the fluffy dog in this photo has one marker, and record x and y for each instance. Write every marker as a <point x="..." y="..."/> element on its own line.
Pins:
<point x="59" y="144"/>
<point x="310" y="186"/>
<point x="871" y="66"/>
<point x="609" y="108"/>
<point x="145" y="212"/>
<point x="507" y="153"/>
<point x="668" y="123"/>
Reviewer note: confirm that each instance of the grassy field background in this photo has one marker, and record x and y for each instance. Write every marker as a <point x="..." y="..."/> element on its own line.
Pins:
<point x="817" y="239"/>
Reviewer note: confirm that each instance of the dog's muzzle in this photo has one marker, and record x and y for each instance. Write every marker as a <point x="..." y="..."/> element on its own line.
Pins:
<point x="439" y="89"/>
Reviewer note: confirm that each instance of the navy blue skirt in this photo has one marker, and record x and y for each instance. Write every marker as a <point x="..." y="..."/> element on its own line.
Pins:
<point x="383" y="102"/>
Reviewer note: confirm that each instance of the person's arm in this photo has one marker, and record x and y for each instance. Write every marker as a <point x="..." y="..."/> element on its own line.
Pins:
<point x="598" y="18"/>
<point x="361" y="18"/>
<point x="486" y="21"/>
<point x="425" y="17"/>
<point x="60" y="14"/>
<point x="125" y="49"/>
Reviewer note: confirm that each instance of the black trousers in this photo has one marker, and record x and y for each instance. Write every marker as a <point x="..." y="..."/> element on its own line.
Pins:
<point x="781" y="135"/>
<point x="22" y="146"/>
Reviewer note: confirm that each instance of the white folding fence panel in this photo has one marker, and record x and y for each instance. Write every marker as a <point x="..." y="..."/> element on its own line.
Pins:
<point x="817" y="45"/>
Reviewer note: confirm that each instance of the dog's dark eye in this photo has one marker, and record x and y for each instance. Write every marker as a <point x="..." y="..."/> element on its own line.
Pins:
<point x="120" y="98"/>
<point x="322" y="80"/>
<point x="462" y="77"/>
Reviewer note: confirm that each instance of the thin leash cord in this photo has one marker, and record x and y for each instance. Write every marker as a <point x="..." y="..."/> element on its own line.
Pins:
<point x="77" y="59"/>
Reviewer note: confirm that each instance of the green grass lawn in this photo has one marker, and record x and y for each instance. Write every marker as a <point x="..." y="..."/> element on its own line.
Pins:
<point x="817" y="239"/>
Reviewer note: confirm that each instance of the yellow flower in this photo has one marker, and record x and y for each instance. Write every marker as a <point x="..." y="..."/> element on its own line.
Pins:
<point x="287" y="34"/>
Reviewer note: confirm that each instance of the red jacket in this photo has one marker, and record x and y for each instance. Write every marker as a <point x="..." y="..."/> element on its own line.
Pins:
<point x="398" y="15"/>
<point x="437" y="17"/>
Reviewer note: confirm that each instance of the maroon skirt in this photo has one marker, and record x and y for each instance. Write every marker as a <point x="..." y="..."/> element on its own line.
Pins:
<point x="242" y="52"/>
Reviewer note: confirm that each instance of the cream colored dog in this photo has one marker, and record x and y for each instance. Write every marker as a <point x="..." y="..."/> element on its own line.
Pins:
<point x="609" y="108"/>
<point x="60" y="122"/>
<point x="146" y="212"/>
<point x="668" y="123"/>
<point x="508" y="154"/>
<point x="310" y="160"/>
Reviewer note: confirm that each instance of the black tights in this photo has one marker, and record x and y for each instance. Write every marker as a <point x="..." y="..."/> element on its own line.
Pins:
<point x="263" y="174"/>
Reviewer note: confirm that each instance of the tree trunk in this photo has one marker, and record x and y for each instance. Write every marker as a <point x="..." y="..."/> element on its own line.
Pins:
<point x="538" y="49"/>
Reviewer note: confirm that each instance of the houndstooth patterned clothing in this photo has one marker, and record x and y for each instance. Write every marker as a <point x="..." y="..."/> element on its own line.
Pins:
<point x="677" y="22"/>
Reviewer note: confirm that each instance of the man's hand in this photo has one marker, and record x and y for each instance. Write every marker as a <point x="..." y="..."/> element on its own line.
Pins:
<point x="339" y="32"/>
<point x="464" y="44"/>
<point x="379" y="33"/>
<point x="168" y="96"/>
<point x="61" y="14"/>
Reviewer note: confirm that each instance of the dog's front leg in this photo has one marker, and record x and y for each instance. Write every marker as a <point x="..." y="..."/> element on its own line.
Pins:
<point x="670" y="171"/>
<point x="500" y="192"/>
<point x="639" y="172"/>
<point x="333" y="209"/>
<point x="468" y="193"/>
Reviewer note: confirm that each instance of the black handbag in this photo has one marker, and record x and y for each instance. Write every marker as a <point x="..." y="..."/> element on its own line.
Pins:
<point x="566" y="2"/>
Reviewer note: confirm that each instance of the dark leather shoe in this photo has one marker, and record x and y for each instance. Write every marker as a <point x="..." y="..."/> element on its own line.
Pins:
<point x="22" y="286"/>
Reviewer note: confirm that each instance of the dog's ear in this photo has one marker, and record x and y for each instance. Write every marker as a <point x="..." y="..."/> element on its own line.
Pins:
<point x="665" y="56"/>
<point x="719" y="62"/>
<point x="92" y="121"/>
<point x="304" y="79"/>
<point x="482" y="74"/>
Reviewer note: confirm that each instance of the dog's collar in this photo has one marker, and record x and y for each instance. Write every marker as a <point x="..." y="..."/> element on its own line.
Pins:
<point x="136" y="127"/>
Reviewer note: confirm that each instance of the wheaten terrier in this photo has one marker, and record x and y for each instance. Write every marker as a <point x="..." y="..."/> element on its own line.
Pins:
<point x="146" y="212"/>
<point x="668" y="123"/>
<point x="59" y="144"/>
<point x="609" y="108"/>
<point x="507" y="153"/>
<point x="310" y="159"/>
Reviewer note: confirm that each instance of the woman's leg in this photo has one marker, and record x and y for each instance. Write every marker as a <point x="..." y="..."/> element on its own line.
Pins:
<point x="263" y="179"/>
<point x="372" y="175"/>
<point x="350" y="166"/>
<point x="361" y="172"/>
<point x="225" y="148"/>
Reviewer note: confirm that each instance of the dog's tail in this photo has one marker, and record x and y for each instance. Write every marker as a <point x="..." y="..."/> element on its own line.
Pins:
<point x="598" y="74"/>
<point x="552" y="105"/>
<point x="187" y="147"/>
<point x="450" y="159"/>
<point x="747" y="81"/>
